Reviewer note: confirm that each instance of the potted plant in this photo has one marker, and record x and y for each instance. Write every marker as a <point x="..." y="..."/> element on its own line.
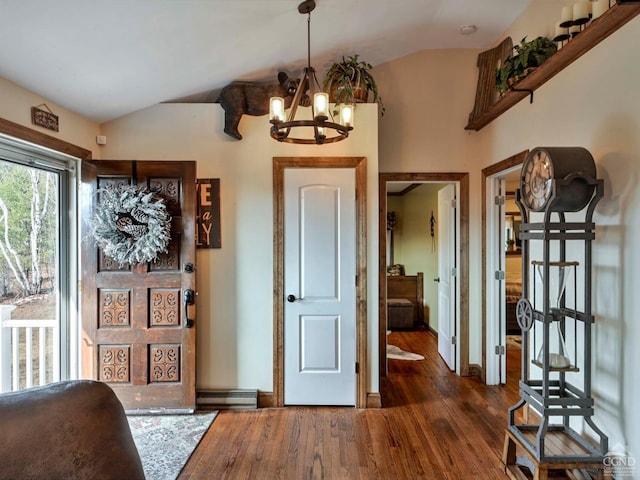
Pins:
<point x="527" y="56"/>
<point x="350" y="81"/>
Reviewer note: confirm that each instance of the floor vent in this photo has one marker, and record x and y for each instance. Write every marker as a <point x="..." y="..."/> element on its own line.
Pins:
<point x="227" y="399"/>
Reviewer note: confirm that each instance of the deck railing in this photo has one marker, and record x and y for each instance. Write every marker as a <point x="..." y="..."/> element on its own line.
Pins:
<point x="29" y="351"/>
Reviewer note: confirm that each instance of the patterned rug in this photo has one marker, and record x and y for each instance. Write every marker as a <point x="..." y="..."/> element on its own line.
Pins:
<point x="165" y="442"/>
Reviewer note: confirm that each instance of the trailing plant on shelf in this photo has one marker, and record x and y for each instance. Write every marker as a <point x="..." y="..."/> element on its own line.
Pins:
<point x="350" y="81"/>
<point x="527" y="56"/>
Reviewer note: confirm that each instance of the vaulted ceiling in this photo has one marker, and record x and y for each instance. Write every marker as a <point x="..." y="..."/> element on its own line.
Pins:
<point x="106" y="58"/>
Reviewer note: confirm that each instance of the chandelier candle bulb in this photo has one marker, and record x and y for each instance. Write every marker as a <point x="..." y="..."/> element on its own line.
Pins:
<point x="321" y="104"/>
<point x="346" y="115"/>
<point x="276" y="109"/>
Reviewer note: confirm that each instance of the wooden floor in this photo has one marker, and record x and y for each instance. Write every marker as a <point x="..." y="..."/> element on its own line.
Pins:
<point x="433" y="425"/>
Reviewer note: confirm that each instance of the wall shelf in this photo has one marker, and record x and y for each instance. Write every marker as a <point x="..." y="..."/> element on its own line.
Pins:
<point x="614" y="18"/>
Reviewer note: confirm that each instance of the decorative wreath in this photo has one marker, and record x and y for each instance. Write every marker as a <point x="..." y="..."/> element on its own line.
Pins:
<point x="131" y="224"/>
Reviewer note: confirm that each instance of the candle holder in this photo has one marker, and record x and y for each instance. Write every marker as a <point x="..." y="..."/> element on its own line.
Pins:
<point x="561" y="38"/>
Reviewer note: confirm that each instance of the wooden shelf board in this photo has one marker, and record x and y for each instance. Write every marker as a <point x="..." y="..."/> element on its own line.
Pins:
<point x="614" y="18"/>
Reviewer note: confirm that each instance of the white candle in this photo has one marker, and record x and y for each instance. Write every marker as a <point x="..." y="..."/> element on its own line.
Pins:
<point x="599" y="7"/>
<point x="560" y="31"/>
<point x="567" y="15"/>
<point x="580" y="11"/>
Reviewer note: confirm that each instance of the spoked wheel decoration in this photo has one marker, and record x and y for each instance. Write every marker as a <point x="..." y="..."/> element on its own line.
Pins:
<point x="524" y="314"/>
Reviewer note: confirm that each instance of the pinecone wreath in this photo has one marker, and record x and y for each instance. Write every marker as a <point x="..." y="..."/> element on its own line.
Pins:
<point x="131" y="225"/>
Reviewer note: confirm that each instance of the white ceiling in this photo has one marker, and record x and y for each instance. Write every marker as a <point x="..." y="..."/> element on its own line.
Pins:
<point x="106" y="58"/>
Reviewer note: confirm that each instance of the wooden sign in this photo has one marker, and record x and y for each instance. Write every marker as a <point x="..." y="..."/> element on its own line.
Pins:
<point x="488" y="62"/>
<point x="44" y="118"/>
<point x="208" y="214"/>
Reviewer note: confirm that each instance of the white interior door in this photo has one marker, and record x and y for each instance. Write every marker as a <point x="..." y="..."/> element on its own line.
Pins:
<point x="447" y="275"/>
<point x="499" y="278"/>
<point x="319" y="285"/>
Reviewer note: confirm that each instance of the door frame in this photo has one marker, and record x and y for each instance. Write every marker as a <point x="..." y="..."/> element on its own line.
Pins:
<point x="487" y="172"/>
<point x="463" y="249"/>
<point x="359" y="164"/>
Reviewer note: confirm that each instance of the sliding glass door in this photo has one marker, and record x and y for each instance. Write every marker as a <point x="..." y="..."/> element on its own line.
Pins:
<point x="36" y="239"/>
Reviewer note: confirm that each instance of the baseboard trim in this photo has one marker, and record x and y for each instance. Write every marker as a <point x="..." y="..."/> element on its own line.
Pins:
<point x="432" y="331"/>
<point x="226" y="399"/>
<point x="374" y="400"/>
<point x="475" y="370"/>
<point x="265" y="399"/>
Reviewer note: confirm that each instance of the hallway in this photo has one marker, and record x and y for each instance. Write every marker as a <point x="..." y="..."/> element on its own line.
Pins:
<point x="434" y="425"/>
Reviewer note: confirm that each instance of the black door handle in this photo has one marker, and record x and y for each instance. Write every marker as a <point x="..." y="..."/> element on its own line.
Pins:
<point x="189" y="299"/>
<point x="292" y="298"/>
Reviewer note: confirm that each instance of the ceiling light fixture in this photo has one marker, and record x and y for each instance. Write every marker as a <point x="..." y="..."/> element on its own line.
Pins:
<point x="468" y="29"/>
<point x="324" y="131"/>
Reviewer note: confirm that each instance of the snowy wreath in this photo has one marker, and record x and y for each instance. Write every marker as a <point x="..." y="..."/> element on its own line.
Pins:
<point x="131" y="224"/>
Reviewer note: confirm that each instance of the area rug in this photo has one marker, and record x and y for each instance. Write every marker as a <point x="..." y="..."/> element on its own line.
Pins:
<point x="399" y="354"/>
<point x="165" y="442"/>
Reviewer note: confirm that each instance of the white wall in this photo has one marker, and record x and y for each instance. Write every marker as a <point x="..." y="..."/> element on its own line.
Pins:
<point x="593" y="103"/>
<point x="235" y="283"/>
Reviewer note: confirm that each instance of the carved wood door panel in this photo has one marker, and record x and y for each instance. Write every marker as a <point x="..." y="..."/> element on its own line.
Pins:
<point x="135" y="334"/>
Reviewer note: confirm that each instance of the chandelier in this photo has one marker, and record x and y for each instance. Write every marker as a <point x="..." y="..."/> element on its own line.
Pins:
<point x="322" y="125"/>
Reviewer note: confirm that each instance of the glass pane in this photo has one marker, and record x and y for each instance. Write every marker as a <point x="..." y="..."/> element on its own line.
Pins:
<point x="29" y="285"/>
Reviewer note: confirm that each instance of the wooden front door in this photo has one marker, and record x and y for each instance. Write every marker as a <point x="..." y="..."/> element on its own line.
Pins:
<point x="135" y="335"/>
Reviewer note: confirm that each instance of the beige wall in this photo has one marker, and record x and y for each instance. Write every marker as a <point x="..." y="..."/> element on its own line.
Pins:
<point x="593" y="103"/>
<point x="235" y="283"/>
<point x="16" y="103"/>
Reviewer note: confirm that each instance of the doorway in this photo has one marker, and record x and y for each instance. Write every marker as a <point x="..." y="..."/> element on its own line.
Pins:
<point x="501" y="270"/>
<point x="461" y="340"/>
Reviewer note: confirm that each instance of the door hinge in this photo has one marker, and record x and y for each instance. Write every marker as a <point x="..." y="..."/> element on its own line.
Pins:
<point x="500" y="350"/>
<point x="500" y="275"/>
<point x="500" y="200"/>
<point x="453" y="203"/>
<point x="454" y="340"/>
<point x="357" y="365"/>
<point x="454" y="272"/>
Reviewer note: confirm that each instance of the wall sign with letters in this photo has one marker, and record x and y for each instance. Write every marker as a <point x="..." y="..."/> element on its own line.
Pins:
<point x="44" y="118"/>
<point x="208" y="214"/>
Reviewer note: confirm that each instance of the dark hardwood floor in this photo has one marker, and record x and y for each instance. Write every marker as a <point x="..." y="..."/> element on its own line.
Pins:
<point x="434" y="425"/>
